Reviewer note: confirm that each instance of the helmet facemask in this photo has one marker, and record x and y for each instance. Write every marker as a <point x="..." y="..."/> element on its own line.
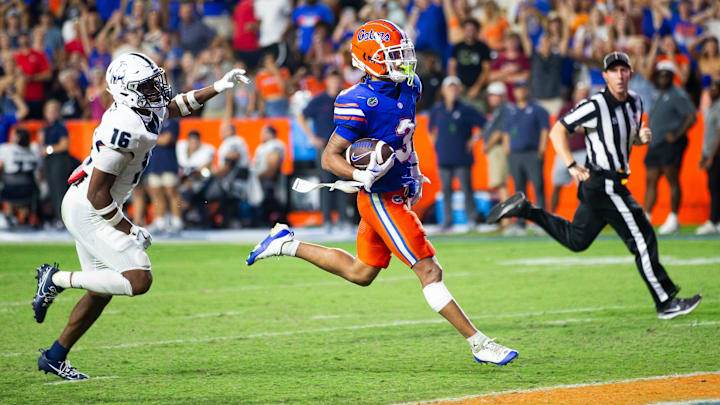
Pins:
<point x="400" y="60"/>
<point x="153" y="92"/>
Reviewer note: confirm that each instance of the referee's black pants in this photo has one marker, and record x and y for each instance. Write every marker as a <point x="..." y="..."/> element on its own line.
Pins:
<point x="607" y="201"/>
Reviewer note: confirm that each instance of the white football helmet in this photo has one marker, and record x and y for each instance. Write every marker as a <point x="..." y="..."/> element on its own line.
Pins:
<point x="135" y="80"/>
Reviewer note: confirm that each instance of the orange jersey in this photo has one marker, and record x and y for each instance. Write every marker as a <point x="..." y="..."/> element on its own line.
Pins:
<point x="268" y="85"/>
<point x="388" y="227"/>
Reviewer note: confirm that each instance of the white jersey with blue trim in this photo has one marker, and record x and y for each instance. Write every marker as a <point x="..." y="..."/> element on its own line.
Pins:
<point x="124" y="130"/>
<point x="384" y="111"/>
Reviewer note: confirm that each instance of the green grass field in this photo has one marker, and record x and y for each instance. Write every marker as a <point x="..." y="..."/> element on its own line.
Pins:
<point x="212" y="330"/>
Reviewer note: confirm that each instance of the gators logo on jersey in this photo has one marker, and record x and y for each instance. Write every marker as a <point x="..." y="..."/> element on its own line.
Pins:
<point x="372" y="102"/>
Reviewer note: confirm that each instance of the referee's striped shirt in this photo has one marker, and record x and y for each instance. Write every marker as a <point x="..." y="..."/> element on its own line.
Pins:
<point x="610" y="128"/>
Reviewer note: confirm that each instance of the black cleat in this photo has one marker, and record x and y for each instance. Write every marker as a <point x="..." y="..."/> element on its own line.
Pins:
<point x="46" y="292"/>
<point x="678" y="306"/>
<point x="514" y="206"/>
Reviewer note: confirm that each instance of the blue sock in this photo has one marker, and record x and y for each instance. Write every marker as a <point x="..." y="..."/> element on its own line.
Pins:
<point x="57" y="352"/>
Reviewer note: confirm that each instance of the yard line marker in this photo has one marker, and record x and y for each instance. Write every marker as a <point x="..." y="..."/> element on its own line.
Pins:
<point x="320" y="330"/>
<point x="231" y="313"/>
<point x="350" y="327"/>
<point x="696" y="323"/>
<point x="554" y="387"/>
<point x="572" y="261"/>
<point x="77" y="381"/>
<point x="449" y="275"/>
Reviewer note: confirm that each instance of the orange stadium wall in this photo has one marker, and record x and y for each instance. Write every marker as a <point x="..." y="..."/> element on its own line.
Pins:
<point x="694" y="209"/>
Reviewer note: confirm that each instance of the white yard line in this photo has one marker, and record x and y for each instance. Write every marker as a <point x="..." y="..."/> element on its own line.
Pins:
<point x="213" y="314"/>
<point x="330" y="329"/>
<point x="86" y="380"/>
<point x="251" y="287"/>
<point x="367" y="326"/>
<point x="574" y="261"/>
<point x="659" y="377"/>
<point x="696" y="323"/>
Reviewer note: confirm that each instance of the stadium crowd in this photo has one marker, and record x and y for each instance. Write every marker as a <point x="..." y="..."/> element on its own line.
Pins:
<point x="501" y="67"/>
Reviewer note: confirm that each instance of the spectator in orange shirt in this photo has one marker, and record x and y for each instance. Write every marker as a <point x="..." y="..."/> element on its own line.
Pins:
<point x="36" y="68"/>
<point x="272" y="86"/>
<point x="494" y="26"/>
<point x="670" y="52"/>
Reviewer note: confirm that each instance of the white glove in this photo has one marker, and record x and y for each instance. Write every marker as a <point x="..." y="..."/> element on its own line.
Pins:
<point x="374" y="171"/>
<point x="142" y="236"/>
<point x="230" y="80"/>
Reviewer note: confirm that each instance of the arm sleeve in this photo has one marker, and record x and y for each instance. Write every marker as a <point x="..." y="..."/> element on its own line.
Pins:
<point x="111" y="161"/>
<point x="347" y="133"/>
<point x="578" y="116"/>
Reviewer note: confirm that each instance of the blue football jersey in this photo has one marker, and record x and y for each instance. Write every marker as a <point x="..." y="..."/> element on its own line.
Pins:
<point x="384" y="111"/>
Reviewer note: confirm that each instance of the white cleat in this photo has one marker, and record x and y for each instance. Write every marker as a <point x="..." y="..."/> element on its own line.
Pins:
<point x="708" y="228"/>
<point x="272" y="245"/>
<point x="491" y="352"/>
<point x="671" y="225"/>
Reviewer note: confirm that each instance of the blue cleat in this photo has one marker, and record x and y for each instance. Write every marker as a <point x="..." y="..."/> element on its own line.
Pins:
<point x="62" y="369"/>
<point x="491" y="352"/>
<point x="47" y="291"/>
<point x="272" y="245"/>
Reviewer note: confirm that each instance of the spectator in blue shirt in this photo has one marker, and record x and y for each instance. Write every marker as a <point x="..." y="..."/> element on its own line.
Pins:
<point x="451" y="130"/>
<point x="194" y="34"/>
<point x="428" y="20"/>
<point x="162" y="180"/>
<point x="320" y="111"/>
<point x="305" y="17"/>
<point x="10" y="118"/>
<point x="525" y="139"/>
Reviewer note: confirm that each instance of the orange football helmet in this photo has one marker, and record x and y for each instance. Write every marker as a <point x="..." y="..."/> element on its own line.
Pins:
<point x="381" y="49"/>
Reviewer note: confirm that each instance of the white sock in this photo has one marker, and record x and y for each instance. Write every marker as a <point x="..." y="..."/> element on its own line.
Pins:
<point x="290" y="248"/>
<point x="101" y="282"/>
<point x="62" y="279"/>
<point x="671" y="217"/>
<point x="477" y="339"/>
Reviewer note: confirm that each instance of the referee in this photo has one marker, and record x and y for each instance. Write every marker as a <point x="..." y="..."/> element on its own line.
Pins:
<point x="612" y="120"/>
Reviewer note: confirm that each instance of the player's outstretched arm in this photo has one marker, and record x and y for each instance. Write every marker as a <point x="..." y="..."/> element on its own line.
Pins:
<point x="184" y="104"/>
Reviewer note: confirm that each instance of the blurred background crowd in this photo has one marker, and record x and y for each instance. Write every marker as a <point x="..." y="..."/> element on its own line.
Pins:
<point x="491" y="70"/>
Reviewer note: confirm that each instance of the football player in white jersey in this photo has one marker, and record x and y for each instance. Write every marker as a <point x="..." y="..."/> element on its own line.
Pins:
<point x="111" y="249"/>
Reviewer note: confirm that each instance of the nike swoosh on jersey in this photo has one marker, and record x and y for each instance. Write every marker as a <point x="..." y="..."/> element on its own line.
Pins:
<point x="355" y="157"/>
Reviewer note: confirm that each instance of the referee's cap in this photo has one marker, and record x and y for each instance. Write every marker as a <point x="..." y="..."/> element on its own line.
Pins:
<point x="614" y="58"/>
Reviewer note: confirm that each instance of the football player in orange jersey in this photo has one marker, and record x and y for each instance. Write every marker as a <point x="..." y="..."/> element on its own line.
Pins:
<point x="382" y="107"/>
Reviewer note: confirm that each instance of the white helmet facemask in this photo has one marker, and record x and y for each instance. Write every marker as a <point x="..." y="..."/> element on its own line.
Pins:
<point x="400" y="60"/>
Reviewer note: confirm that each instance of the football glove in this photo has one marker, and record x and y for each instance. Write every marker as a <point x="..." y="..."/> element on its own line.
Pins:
<point x="374" y="171"/>
<point x="142" y="236"/>
<point x="418" y="180"/>
<point x="230" y="80"/>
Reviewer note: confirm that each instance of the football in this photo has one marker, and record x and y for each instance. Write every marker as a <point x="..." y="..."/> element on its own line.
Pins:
<point x="358" y="154"/>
